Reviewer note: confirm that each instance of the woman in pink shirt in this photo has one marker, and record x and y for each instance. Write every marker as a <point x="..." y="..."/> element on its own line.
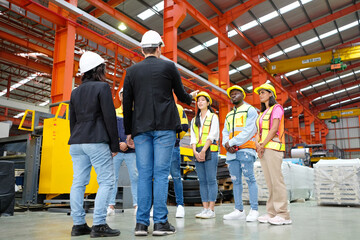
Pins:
<point x="270" y="147"/>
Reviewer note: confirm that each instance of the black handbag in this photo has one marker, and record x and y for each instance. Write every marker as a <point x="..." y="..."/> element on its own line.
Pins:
<point x="207" y="153"/>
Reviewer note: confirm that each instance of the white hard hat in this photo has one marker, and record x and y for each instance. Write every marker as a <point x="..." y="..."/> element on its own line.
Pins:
<point x="90" y="60"/>
<point x="151" y="39"/>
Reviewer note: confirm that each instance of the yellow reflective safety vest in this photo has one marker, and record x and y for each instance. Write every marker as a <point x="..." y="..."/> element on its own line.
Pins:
<point x="264" y="131"/>
<point x="183" y="120"/>
<point x="201" y="140"/>
<point x="236" y="121"/>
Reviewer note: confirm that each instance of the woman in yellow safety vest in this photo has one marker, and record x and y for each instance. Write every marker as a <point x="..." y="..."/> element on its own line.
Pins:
<point x="270" y="146"/>
<point x="204" y="142"/>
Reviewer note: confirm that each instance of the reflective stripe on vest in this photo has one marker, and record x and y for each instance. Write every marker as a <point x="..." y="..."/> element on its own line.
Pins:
<point x="236" y="122"/>
<point x="214" y="147"/>
<point x="265" y="128"/>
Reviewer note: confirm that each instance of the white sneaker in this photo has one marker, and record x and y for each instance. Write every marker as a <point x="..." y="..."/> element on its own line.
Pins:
<point x="277" y="220"/>
<point x="235" y="215"/>
<point x="152" y="212"/>
<point x="199" y="215"/>
<point x="135" y="210"/>
<point x="180" y="212"/>
<point x="110" y="211"/>
<point x="209" y="214"/>
<point x="252" y="216"/>
<point x="264" y="218"/>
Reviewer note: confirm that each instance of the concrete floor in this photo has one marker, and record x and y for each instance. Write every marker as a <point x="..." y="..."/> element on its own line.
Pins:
<point x="309" y="222"/>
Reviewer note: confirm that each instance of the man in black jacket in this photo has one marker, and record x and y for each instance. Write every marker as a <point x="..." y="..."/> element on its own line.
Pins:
<point x="152" y="119"/>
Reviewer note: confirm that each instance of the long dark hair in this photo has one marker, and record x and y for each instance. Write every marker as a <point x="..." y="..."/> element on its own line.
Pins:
<point x="272" y="102"/>
<point x="197" y="118"/>
<point x="97" y="73"/>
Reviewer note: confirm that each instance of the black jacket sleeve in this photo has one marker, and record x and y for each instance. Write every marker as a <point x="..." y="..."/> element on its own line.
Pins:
<point x="109" y="116"/>
<point x="178" y="87"/>
<point x="128" y="99"/>
<point x="72" y="116"/>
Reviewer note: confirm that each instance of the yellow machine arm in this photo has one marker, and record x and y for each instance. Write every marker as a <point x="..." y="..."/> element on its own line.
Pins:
<point x="314" y="60"/>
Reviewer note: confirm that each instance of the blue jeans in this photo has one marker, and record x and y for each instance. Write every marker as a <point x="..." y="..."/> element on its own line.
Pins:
<point x="176" y="175"/>
<point x="130" y="160"/>
<point x="206" y="172"/>
<point x="153" y="156"/>
<point x="243" y="164"/>
<point x="84" y="156"/>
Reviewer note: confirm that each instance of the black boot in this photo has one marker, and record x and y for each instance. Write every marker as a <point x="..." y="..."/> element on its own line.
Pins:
<point x="161" y="229"/>
<point x="141" y="230"/>
<point x="103" y="230"/>
<point x="78" y="230"/>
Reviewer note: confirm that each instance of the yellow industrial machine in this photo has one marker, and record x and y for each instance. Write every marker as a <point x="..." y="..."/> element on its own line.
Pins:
<point x="339" y="114"/>
<point x="56" y="171"/>
<point x="334" y="58"/>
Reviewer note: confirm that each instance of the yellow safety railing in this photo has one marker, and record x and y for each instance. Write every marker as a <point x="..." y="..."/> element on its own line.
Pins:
<point x="59" y="109"/>
<point x="32" y="121"/>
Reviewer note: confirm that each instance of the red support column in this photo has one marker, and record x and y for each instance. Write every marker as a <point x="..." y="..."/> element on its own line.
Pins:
<point x="174" y="14"/>
<point x="226" y="55"/>
<point x="317" y="131"/>
<point x="258" y="78"/>
<point x="296" y="110"/>
<point x="308" y="119"/>
<point x="63" y="60"/>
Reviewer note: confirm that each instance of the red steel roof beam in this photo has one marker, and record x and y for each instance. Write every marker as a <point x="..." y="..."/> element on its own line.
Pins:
<point x="307" y="82"/>
<point x="263" y="47"/>
<point x="333" y="89"/>
<point x="225" y="18"/>
<point x="213" y="29"/>
<point x="326" y="105"/>
<point x="112" y="3"/>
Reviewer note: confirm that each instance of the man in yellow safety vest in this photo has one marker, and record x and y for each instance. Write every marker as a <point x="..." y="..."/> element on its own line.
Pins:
<point x="239" y="142"/>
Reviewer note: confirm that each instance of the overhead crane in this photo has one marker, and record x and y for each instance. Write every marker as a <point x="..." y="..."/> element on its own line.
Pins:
<point x="346" y="54"/>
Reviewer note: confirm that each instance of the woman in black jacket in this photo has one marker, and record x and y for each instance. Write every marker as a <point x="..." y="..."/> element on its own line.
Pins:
<point x="93" y="141"/>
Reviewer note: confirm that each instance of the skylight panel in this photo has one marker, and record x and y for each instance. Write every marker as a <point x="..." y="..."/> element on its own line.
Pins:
<point x="196" y="49"/>
<point x="232" y="33"/>
<point x="274" y="55"/>
<point x="44" y="103"/>
<point x="291" y="73"/>
<point x="211" y="42"/>
<point x="318" y="98"/>
<point x="269" y="16"/>
<point x="311" y="40"/>
<point x="347" y="26"/>
<point x="318" y="84"/>
<point x="306" y="88"/>
<point x="334" y="104"/>
<point x="148" y="13"/>
<point x="345" y="101"/>
<point x="248" y="25"/>
<point x="232" y="71"/>
<point x="250" y="88"/>
<point x="351" y="88"/>
<point x="328" y="34"/>
<point x="332" y="80"/>
<point x="289" y="7"/>
<point x="292" y="48"/>
<point x="356" y="98"/>
<point x="22" y="82"/>
<point x="340" y="91"/>
<point x="327" y="95"/>
<point x="305" y="1"/>
<point x="261" y="60"/>
<point x="243" y="67"/>
<point x="19" y="115"/>
<point x="145" y="14"/>
<point x="346" y="75"/>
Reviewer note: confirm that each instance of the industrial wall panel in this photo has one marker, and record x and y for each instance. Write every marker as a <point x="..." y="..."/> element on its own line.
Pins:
<point x="353" y="122"/>
<point x="354" y="143"/>
<point x="331" y="134"/>
<point x="353" y="132"/>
